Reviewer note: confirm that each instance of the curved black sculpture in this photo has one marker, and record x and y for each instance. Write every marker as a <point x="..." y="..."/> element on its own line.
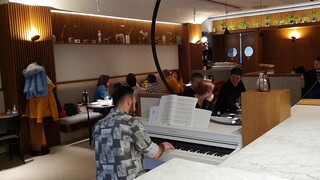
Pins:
<point x="153" y="45"/>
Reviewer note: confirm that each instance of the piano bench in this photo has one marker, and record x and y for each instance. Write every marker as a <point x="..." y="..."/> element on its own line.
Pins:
<point x="78" y="121"/>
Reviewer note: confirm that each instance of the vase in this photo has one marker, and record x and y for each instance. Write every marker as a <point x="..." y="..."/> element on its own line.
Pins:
<point x="263" y="82"/>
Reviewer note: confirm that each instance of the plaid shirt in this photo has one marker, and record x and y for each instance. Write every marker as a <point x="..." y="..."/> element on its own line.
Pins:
<point x="155" y="88"/>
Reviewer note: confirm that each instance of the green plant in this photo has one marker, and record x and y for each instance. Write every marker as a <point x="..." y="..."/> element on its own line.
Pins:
<point x="223" y="24"/>
<point x="291" y="19"/>
<point x="279" y="22"/>
<point x="233" y="27"/>
<point x="314" y="13"/>
<point x="304" y="19"/>
<point x="256" y="24"/>
<point x="244" y="24"/>
<point x="268" y="18"/>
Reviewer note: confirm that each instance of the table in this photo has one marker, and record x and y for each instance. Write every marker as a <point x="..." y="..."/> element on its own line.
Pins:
<point x="89" y="106"/>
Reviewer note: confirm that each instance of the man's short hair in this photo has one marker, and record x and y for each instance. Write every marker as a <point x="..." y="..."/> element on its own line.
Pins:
<point x="151" y="78"/>
<point x="236" y="71"/>
<point x="131" y="80"/>
<point x="196" y="75"/>
<point x="166" y="73"/>
<point x="120" y="93"/>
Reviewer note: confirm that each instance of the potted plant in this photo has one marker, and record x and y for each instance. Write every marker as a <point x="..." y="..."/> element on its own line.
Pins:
<point x="291" y="19"/>
<point x="279" y="22"/>
<point x="223" y="25"/>
<point x="233" y="27"/>
<point x="268" y="19"/>
<point x="314" y="14"/>
<point x="304" y="19"/>
<point x="256" y="25"/>
<point x="244" y="24"/>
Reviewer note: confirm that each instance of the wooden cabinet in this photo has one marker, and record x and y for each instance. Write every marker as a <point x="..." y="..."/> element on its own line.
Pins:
<point x="261" y="111"/>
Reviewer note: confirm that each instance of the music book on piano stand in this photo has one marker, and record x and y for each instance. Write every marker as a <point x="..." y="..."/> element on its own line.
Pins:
<point x="180" y="111"/>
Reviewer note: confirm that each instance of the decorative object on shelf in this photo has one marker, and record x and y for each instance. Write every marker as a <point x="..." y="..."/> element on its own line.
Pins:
<point x="85" y="41"/>
<point x="314" y="15"/>
<point x="279" y="22"/>
<point x="93" y="41"/>
<point x="127" y="37"/>
<point x="70" y="39"/>
<point x="263" y="82"/>
<point x="233" y="27"/>
<point x="267" y="20"/>
<point x="120" y="38"/>
<point x="304" y="19"/>
<point x="291" y="19"/>
<point x="77" y="41"/>
<point x="178" y="40"/>
<point x="144" y="36"/>
<point x="256" y="25"/>
<point x="223" y="25"/>
<point x="99" y="37"/>
<point x="244" y="24"/>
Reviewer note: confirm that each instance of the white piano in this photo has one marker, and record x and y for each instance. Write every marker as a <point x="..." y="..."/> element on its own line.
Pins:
<point x="212" y="145"/>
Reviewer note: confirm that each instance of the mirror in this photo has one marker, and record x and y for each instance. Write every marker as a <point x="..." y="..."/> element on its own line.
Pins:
<point x="248" y="51"/>
<point x="232" y="52"/>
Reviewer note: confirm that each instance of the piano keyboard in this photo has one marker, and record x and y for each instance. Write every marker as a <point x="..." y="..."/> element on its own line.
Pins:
<point x="190" y="151"/>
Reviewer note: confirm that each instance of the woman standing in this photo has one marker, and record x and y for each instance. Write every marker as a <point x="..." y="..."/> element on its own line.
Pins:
<point x="101" y="90"/>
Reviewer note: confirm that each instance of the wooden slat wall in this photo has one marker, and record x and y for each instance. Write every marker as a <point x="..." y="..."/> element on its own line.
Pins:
<point x="18" y="52"/>
<point x="86" y="27"/>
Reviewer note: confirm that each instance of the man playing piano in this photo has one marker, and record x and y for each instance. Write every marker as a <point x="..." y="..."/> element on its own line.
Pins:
<point x="120" y="141"/>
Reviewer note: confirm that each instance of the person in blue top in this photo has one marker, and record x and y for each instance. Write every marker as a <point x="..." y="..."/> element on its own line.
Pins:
<point x="101" y="90"/>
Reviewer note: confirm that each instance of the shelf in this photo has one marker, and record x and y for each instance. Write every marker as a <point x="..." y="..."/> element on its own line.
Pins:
<point x="114" y="44"/>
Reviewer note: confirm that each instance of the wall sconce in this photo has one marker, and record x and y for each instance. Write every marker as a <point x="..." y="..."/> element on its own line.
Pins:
<point x="294" y="35"/>
<point x="204" y="39"/>
<point x="293" y="38"/>
<point x="35" y="38"/>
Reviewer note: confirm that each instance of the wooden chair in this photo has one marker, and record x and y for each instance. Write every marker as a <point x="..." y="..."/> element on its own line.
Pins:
<point x="9" y="133"/>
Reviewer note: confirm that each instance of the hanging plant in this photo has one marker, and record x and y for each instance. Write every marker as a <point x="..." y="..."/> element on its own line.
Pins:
<point x="268" y="19"/>
<point x="291" y="19"/>
<point x="256" y="25"/>
<point x="314" y="15"/>
<point x="244" y="24"/>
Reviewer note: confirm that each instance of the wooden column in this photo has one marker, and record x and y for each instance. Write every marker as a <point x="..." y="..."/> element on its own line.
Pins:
<point x="18" y="23"/>
<point x="261" y="111"/>
<point x="189" y="52"/>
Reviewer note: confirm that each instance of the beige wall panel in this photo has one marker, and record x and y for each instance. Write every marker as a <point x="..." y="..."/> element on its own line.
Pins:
<point x="76" y="62"/>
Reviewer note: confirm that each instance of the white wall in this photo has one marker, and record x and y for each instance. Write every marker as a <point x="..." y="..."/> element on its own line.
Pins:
<point x="87" y="61"/>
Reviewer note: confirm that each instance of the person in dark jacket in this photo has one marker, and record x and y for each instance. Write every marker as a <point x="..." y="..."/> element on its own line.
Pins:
<point x="230" y="92"/>
<point x="312" y="81"/>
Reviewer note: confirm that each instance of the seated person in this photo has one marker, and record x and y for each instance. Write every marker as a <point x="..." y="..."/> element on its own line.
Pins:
<point x="173" y="83"/>
<point x="177" y="74"/>
<point x="205" y="96"/>
<point x="230" y="92"/>
<point x="101" y="90"/>
<point x="154" y="86"/>
<point x="121" y="141"/>
<point x="312" y="81"/>
<point x="196" y="79"/>
<point x="131" y="81"/>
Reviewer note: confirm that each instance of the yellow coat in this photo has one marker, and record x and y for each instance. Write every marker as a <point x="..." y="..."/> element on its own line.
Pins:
<point x="173" y="83"/>
<point x="40" y="107"/>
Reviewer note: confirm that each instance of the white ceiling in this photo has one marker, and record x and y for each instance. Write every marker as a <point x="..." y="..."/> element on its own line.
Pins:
<point x="180" y="11"/>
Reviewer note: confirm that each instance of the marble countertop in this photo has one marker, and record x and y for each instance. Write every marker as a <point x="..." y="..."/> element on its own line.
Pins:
<point x="177" y="169"/>
<point x="291" y="150"/>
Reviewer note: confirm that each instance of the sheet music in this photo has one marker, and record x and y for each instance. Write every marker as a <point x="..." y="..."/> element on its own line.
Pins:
<point x="177" y="110"/>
